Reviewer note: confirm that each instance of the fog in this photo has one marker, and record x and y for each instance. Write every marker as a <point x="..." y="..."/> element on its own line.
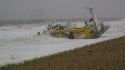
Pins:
<point x="39" y="9"/>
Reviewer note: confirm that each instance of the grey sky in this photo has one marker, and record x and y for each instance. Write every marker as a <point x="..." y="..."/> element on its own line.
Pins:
<point x="33" y="9"/>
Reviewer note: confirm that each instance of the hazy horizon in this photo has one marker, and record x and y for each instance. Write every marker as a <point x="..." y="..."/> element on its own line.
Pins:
<point x="58" y="9"/>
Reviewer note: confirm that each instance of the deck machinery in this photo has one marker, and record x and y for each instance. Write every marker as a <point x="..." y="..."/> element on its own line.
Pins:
<point x="91" y="29"/>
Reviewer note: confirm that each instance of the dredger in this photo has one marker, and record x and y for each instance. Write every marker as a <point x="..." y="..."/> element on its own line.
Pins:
<point x="92" y="29"/>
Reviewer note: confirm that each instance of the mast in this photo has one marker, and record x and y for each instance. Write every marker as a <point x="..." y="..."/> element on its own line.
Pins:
<point x="92" y="16"/>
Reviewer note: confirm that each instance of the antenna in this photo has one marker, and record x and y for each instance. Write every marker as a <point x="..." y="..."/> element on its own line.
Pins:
<point x="91" y="12"/>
